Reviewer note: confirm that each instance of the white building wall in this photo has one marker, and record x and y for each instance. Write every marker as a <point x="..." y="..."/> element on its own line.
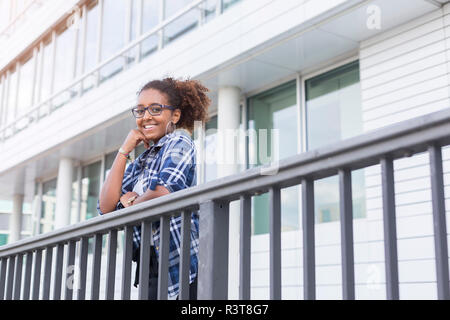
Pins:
<point x="404" y="74"/>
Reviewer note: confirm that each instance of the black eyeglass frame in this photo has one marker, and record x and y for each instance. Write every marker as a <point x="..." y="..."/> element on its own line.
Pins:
<point x="147" y="108"/>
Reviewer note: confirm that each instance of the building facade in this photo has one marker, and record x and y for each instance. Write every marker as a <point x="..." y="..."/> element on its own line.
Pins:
<point x="306" y="73"/>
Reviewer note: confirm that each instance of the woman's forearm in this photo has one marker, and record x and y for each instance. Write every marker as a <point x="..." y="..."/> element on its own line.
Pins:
<point x="111" y="189"/>
<point x="152" y="194"/>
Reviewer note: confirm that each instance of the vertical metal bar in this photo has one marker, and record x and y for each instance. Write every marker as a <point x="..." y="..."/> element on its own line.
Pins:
<point x="84" y="245"/>
<point x="111" y="264"/>
<point x="439" y="222"/>
<point x="185" y="255"/>
<point x="163" y="266"/>
<point x="96" y="266"/>
<point x="37" y="274"/>
<point x="390" y="229"/>
<point x="18" y="276"/>
<point x="27" y="280"/>
<point x="4" y="262"/>
<point x="126" y="265"/>
<point x="213" y="251"/>
<point x="346" y="215"/>
<point x="144" y="261"/>
<point x="70" y="267"/>
<point x="245" y="247"/>
<point x="58" y="271"/>
<point x="47" y="272"/>
<point x="275" y="242"/>
<point x="309" y="263"/>
<point x="10" y="278"/>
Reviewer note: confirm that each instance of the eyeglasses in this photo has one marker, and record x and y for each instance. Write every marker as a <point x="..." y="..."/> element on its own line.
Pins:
<point x="155" y="109"/>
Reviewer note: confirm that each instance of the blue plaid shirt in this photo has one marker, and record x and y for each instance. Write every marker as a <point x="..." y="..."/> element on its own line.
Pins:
<point x="171" y="162"/>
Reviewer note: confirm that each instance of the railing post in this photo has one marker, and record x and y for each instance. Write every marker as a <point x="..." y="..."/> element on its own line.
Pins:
<point x="185" y="258"/>
<point x="439" y="222"/>
<point x="213" y="251"/>
<point x="245" y="247"/>
<point x="390" y="228"/>
<point x="163" y="265"/>
<point x="126" y="265"/>
<point x="346" y="215"/>
<point x="18" y="276"/>
<point x="111" y="264"/>
<point x="309" y="263"/>
<point x="37" y="275"/>
<point x="27" y="279"/>
<point x="10" y="278"/>
<point x="3" y="261"/>
<point x="275" y="242"/>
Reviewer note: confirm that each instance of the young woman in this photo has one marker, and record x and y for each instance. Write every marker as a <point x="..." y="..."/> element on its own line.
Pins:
<point x="165" y="114"/>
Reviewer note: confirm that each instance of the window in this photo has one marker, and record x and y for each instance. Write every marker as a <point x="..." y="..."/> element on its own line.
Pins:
<point x="26" y="83"/>
<point x="113" y="36"/>
<point x="48" y="206"/>
<point x="11" y="98"/>
<point x="150" y="19"/>
<point x="210" y="145"/>
<point x="274" y="109"/>
<point x="2" y="97"/>
<point x="183" y="24"/>
<point x="229" y="3"/>
<point x="333" y="111"/>
<point x="90" y="53"/>
<point x="90" y="188"/>
<point x="45" y="77"/>
<point x="64" y="65"/>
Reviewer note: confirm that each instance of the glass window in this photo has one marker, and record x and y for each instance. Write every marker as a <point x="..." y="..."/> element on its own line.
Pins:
<point x="109" y="160"/>
<point x="113" y="36"/>
<point x="24" y="99"/>
<point x="210" y="149"/>
<point x="183" y="24"/>
<point x="90" y="53"/>
<point x="11" y="98"/>
<point x="46" y="76"/>
<point x="274" y="109"/>
<point x="3" y="239"/>
<point x="75" y="196"/>
<point x="209" y="10"/>
<point x="48" y="206"/>
<point x="90" y="187"/>
<point x="333" y="110"/>
<point x="150" y="19"/>
<point x="229" y="3"/>
<point x="64" y="64"/>
<point x="2" y="95"/>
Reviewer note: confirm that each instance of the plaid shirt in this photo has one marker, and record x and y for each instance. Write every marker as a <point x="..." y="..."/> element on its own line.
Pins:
<point x="170" y="163"/>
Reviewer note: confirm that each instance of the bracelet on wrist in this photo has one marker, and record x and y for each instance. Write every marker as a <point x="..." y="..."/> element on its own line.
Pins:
<point x="127" y="155"/>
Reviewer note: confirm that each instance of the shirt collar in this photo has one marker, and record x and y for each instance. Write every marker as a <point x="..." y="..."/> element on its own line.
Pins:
<point x="156" y="147"/>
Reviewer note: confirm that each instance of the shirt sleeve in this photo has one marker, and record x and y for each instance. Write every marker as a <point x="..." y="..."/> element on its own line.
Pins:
<point x="177" y="165"/>
<point x="127" y="186"/>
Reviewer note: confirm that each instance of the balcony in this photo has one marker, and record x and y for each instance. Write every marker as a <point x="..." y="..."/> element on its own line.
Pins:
<point x="21" y="278"/>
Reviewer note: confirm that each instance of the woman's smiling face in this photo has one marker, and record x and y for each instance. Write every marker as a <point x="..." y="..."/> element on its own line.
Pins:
<point x="154" y="127"/>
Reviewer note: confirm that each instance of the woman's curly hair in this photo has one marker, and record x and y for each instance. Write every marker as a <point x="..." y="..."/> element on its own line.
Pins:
<point x="187" y="95"/>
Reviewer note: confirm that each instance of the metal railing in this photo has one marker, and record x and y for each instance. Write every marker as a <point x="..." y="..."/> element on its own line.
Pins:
<point x="75" y="88"/>
<point x="425" y="134"/>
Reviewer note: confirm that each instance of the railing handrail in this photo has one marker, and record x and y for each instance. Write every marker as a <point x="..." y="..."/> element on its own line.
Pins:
<point x="398" y="140"/>
<point x="94" y="70"/>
